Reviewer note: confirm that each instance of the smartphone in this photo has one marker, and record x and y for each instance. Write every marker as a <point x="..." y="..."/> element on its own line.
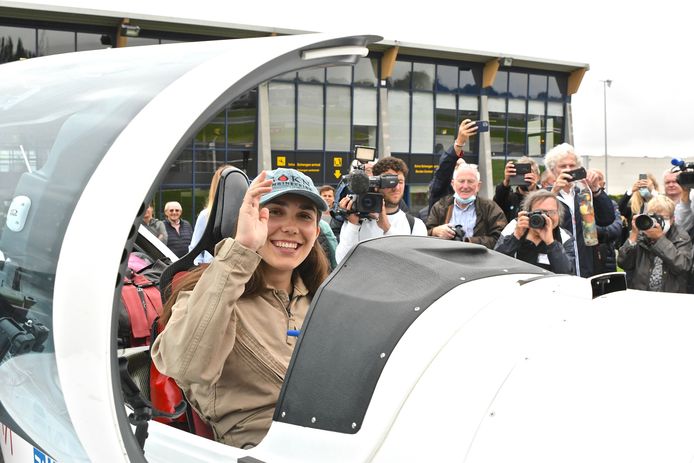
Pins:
<point x="482" y="126"/>
<point x="643" y="177"/>
<point x="522" y="168"/>
<point x="577" y="174"/>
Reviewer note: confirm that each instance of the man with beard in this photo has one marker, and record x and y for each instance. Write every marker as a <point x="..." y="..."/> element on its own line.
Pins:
<point x="391" y="221"/>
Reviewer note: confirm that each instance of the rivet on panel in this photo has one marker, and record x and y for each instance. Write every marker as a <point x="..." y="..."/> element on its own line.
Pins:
<point x="313" y="419"/>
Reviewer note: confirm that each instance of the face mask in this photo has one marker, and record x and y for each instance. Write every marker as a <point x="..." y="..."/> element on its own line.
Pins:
<point x="464" y="202"/>
<point x="645" y="194"/>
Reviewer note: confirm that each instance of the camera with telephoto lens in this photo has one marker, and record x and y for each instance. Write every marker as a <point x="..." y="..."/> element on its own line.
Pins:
<point x="686" y="172"/>
<point x="536" y="219"/>
<point x="647" y="221"/>
<point x="361" y="188"/>
<point x="459" y="233"/>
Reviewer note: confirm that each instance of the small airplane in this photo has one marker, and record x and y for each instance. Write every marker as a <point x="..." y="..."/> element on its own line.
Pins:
<point x="415" y="349"/>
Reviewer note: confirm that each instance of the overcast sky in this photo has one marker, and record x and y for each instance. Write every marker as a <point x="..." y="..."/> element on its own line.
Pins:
<point x="644" y="48"/>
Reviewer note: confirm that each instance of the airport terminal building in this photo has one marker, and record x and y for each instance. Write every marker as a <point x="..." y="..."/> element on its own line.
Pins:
<point x="404" y="99"/>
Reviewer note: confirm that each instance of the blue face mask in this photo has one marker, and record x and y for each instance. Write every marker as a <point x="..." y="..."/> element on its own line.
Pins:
<point x="464" y="202"/>
<point x="645" y="194"/>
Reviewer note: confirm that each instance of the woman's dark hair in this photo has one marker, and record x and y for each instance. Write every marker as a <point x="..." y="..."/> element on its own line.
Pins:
<point x="313" y="271"/>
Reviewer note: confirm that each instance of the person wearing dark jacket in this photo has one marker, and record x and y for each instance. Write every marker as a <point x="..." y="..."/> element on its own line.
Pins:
<point x="561" y="160"/>
<point x="478" y="220"/>
<point x="510" y="197"/>
<point x="537" y="239"/>
<point x="659" y="257"/>
<point x="609" y="237"/>
<point x="440" y="185"/>
<point x="179" y="231"/>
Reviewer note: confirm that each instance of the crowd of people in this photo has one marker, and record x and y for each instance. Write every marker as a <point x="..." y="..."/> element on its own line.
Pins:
<point x="226" y="336"/>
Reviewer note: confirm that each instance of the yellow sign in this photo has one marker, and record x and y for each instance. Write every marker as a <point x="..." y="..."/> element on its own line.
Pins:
<point x="337" y="162"/>
<point x="337" y="174"/>
<point x="281" y="161"/>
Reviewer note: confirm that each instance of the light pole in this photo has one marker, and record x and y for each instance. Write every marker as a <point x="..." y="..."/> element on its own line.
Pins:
<point x="605" y="83"/>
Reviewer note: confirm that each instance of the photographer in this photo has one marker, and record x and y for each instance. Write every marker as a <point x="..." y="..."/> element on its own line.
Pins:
<point x="535" y="236"/>
<point x="581" y="215"/>
<point x="509" y="193"/>
<point x="390" y="221"/>
<point x="463" y="216"/>
<point x="657" y="253"/>
<point x="635" y="199"/>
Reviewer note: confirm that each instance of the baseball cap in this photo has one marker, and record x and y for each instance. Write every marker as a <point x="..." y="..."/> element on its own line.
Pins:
<point x="291" y="181"/>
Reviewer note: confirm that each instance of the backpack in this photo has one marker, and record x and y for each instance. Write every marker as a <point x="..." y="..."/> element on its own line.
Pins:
<point x="140" y="304"/>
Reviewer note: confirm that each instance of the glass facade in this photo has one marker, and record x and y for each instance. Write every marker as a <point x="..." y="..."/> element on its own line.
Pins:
<point x="317" y="116"/>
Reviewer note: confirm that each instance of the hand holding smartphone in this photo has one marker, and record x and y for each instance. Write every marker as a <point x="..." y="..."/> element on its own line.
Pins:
<point x="482" y="126"/>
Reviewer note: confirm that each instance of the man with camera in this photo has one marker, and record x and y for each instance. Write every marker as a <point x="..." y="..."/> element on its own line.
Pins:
<point x="388" y="218"/>
<point x="585" y="204"/>
<point x="535" y="236"/>
<point x="520" y="177"/>
<point x="657" y="253"/>
<point x="463" y="216"/>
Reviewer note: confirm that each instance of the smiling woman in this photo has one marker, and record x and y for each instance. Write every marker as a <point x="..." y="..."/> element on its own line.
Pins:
<point x="237" y="313"/>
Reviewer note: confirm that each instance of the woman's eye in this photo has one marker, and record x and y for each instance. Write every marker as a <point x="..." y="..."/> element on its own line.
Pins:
<point x="275" y="211"/>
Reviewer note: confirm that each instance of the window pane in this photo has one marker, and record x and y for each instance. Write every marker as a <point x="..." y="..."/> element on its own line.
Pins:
<point x="555" y="109"/>
<point x="141" y="41"/>
<point x="337" y="124"/>
<point x="470" y="80"/>
<point x="499" y="87"/>
<point x="446" y="101"/>
<point x="365" y="117"/>
<point x="423" y="76"/>
<point x="446" y="78"/>
<point x="402" y="72"/>
<point x="516" y="122"/>
<point x="446" y="128"/>
<point x="557" y="87"/>
<point x="518" y="85"/>
<point x="312" y="75"/>
<point x="422" y="122"/>
<point x="469" y="103"/>
<point x="282" y="116"/>
<point x="365" y="72"/>
<point x="55" y="42"/>
<point x="555" y="125"/>
<point x="310" y="117"/>
<point x="497" y="125"/>
<point x="89" y="42"/>
<point x="399" y="112"/>
<point x="340" y="75"/>
<point x="246" y="160"/>
<point x="242" y="120"/>
<point x="365" y="106"/>
<point x="538" y="86"/>
<point x="288" y="76"/>
<point x="17" y="42"/>
<point x="536" y="119"/>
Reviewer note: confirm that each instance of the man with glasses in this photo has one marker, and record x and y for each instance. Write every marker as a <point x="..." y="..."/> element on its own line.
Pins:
<point x="179" y="231"/>
<point x="535" y="236"/>
<point x="463" y="216"/>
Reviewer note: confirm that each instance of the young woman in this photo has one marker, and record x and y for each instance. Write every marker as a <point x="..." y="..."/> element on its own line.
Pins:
<point x="227" y="339"/>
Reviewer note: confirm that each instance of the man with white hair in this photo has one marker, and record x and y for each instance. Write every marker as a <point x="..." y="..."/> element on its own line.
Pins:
<point x="463" y="216"/>
<point x="179" y="231"/>
<point x="561" y="160"/>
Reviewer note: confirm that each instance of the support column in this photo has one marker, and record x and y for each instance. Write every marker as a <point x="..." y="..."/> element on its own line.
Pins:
<point x="485" y="160"/>
<point x="264" y="142"/>
<point x="387" y="65"/>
